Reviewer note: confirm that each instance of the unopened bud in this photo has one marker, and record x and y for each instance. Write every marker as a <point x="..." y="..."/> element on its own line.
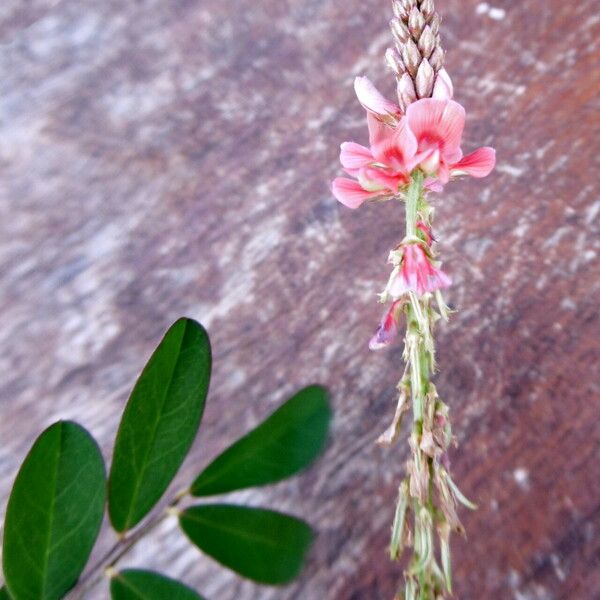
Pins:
<point x="427" y="8"/>
<point x="435" y="23"/>
<point x="399" y="31"/>
<point x="416" y="22"/>
<point x="443" y="89"/>
<point x="436" y="60"/>
<point x="411" y="57"/>
<point x="424" y="80"/>
<point x="427" y="42"/>
<point x="397" y="9"/>
<point x="394" y="62"/>
<point x="406" y="91"/>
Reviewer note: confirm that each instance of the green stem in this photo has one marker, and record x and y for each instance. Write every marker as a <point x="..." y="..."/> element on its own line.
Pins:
<point x="412" y="203"/>
<point x="120" y="549"/>
<point x="420" y="359"/>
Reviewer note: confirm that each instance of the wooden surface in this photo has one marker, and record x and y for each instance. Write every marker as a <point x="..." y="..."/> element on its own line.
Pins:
<point x="161" y="158"/>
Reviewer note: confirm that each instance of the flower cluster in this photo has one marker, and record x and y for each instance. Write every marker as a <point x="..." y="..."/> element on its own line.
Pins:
<point x="427" y="137"/>
<point x="415" y="270"/>
<point x="415" y="148"/>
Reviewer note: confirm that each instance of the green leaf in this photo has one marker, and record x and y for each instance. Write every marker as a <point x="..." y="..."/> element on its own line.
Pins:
<point x="263" y="545"/>
<point x="54" y="513"/>
<point x="287" y="442"/>
<point x="4" y="594"/>
<point x="159" y="424"/>
<point x="134" y="584"/>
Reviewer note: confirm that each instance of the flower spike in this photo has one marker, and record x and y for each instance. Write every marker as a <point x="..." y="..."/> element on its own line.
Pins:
<point x="414" y="148"/>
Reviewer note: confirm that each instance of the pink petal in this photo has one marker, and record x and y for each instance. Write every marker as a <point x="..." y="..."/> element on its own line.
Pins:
<point x="443" y="88"/>
<point x="444" y="173"/>
<point x="379" y="132"/>
<point x="418" y="158"/>
<point x="477" y="164"/>
<point x="405" y="140"/>
<point x="350" y="193"/>
<point x="372" y="178"/>
<point x="354" y="156"/>
<point x="437" y="122"/>
<point x="438" y="280"/>
<point x="398" y="150"/>
<point x="371" y="99"/>
<point x="433" y="185"/>
<point x="399" y="287"/>
<point x="388" y="328"/>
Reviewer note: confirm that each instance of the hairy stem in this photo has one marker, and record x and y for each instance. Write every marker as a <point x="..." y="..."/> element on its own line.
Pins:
<point x="424" y="578"/>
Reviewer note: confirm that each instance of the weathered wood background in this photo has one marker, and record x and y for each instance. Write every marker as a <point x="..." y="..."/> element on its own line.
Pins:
<point x="161" y="158"/>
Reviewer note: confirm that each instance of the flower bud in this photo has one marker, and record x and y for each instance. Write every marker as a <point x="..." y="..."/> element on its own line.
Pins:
<point x="427" y="8"/>
<point x="426" y="42"/>
<point x="411" y="57"/>
<point x="416" y="22"/>
<point x="437" y="58"/>
<point x="399" y="31"/>
<point x="435" y="23"/>
<point x="424" y="79"/>
<point x="443" y="88"/>
<point x="394" y="62"/>
<point x="406" y="91"/>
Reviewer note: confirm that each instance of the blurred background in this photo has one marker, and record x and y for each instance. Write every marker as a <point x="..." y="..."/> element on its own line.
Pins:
<point x="161" y="158"/>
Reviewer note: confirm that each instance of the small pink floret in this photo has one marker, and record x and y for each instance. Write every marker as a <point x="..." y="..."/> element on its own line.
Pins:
<point x="388" y="328"/>
<point x="417" y="273"/>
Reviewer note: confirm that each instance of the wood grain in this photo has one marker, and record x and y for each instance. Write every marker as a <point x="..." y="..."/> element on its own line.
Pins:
<point x="167" y="158"/>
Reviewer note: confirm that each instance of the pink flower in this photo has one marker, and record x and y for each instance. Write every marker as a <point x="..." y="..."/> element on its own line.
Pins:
<point x="382" y="169"/>
<point x="417" y="273"/>
<point x="388" y="328"/>
<point x="428" y="136"/>
<point x="438" y="127"/>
